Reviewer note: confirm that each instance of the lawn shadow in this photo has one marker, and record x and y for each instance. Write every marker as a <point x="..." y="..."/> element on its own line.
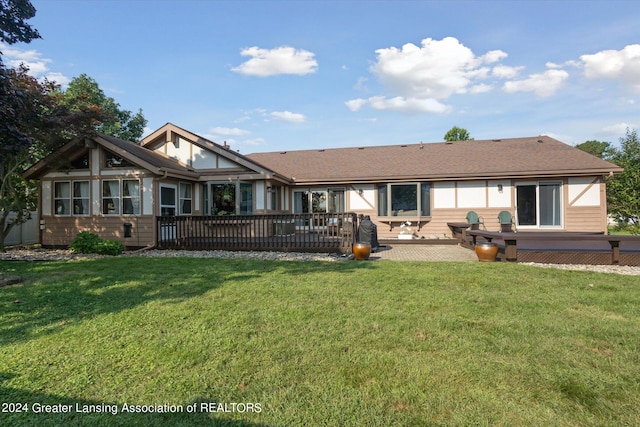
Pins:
<point x="27" y="408"/>
<point x="58" y="293"/>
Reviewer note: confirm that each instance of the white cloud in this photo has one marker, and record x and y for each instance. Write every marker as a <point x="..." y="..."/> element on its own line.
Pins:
<point x="288" y="116"/>
<point x="623" y="65"/>
<point x="542" y="84"/>
<point x="254" y="142"/>
<point x="480" y="88"/>
<point x="505" y="72"/>
<point x="399" y="103"/>
<point x="281" y="60"/>
<point x="616" y="129"/>
<point x="361" y="84"/>
<point x="33" y="60"/>
<point x="59" y="78"/>
<point x="355" y="104"/>
<point x="419" y="78"/>
<point x="223" y="131"/>
<point x="493" y="56"/>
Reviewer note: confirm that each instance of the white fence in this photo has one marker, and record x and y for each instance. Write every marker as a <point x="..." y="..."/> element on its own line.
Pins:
<point x="24" y="234"/>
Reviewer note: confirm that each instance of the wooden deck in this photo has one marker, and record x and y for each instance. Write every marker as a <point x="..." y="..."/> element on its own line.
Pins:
<point x="562" y="247"/>
<point x="330" y="232"/>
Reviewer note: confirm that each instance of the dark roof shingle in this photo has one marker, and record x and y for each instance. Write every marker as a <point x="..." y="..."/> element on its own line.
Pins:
<point x="515" y="157"/>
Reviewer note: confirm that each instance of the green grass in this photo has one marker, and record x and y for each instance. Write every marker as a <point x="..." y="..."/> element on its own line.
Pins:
<point x="320" y="343"/>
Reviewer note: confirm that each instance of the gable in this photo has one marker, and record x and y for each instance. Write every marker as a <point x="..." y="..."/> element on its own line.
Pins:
<point x="104" y="153"/>
<point x="205" y="156"/>
<point x="194" y="155"/>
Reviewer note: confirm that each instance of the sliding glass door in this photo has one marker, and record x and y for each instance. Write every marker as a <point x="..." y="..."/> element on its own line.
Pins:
<point x="539" y="205"/>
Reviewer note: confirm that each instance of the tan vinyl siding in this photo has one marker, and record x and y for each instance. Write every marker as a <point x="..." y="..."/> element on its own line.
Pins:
<point x="60" y="231"/>
<point x="587" y="218"/>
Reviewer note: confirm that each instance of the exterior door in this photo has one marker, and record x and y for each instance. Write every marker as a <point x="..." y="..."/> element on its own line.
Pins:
<point x="539" y="205"/>
<point x="168" y="206"/>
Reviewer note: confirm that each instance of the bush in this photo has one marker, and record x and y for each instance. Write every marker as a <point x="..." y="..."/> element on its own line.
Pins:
<point x="85" y="243"/>
<point x="109" y="247"/>
<point x="90" y="243"/>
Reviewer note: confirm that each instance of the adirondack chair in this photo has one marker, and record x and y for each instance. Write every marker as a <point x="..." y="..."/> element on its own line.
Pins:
<point x="506" y="222"/>
<point x="475" y="221"/>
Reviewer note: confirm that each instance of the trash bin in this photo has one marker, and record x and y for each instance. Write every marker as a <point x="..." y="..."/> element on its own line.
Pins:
<point x="368" y="233"/>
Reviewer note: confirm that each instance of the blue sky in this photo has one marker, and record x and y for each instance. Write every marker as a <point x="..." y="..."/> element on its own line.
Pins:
<point x="283" y="75"/>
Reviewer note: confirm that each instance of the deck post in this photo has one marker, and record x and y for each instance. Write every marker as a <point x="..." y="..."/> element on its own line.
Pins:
<point x="615" y="251"/>
<point x="511" y="249"/>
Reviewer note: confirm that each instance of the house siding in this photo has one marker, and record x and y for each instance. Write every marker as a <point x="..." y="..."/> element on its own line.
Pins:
<point x="60" y="231"/>
<point x="583" y="209"/>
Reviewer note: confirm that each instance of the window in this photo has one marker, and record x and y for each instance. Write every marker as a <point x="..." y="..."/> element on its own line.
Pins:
<point x="81" y="162"/>
<point x="185" y="199"/>
<point x="318" y="201"/>
<point x="336" y="201"/>
<point x="539" y="204"/>
<point x="131" y="197"/>
<point x="71" y="198"/>
<point x="121" y="197"/>
<point x="301" y="202"/>
<point x="223" y="199"/>
<point x="228" y="198"/>
<point x="111" y="197"/>
<point x="115" y="161"/>
<point x="167" y="200"/>
<point x="246" y="198"/>
<point x="61" y="202"/>
<point x="81" y="198"/>
<point x="404" y="200"/>
<point x="274" y="195"/>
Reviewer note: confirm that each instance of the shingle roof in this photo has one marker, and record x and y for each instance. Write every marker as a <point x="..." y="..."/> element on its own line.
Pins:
<point x="153" y="158"/>
<point x="515" y="157"/>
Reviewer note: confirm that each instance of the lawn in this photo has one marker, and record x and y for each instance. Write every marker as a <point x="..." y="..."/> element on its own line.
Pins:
<point x="281" y="343"/>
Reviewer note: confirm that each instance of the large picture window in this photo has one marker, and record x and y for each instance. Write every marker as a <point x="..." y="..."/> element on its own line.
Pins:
<point x="404" y="200"/>
<point x="228" y="198"/>
<point x="318" y="201"/>
<point x="121" y="197"/>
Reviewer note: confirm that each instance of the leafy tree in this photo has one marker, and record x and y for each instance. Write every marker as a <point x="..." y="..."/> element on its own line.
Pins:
<point x="457" y="134"/>
<point x="123" y="124"/>
<point x="33" y="120"/>
<point x="601" y="149"/>
<point x="623" y="190"/>
<point x="34" y="123"/>
<point x="13" y="21"/>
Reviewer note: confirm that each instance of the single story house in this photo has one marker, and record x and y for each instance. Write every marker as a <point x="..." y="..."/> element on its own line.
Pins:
<point x="101" y="184"/>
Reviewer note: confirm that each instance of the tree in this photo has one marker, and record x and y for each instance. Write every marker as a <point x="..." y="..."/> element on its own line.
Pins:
<point x="123" y="124"/>
<point x="457" y="134"/>
<point x="34" y="123"/>
<point x="623" y="190"/>
<point x="13" y="25"/>
<point x="597" y="148"/>
<point x="33" y="120"/>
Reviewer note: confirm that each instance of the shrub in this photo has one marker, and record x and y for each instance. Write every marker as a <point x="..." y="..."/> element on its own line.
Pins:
<point x="85" y="243"/>
<point x="90" y="243"/>
<point x="109" y="247"/>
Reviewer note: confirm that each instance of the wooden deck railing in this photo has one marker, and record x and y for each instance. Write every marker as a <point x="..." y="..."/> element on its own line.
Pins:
<point x="318" y="232"/>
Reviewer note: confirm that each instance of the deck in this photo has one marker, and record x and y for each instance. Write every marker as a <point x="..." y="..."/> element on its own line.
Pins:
<point x="562" y="247"/>
<point x="330" y="232"/>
